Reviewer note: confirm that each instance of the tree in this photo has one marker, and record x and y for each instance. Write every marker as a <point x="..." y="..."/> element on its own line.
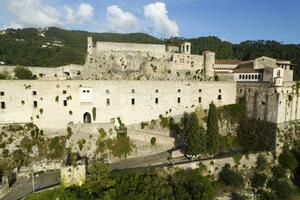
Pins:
<point x="192" y="185"/>
<point x="195" y="137"/>
<point x="212" y="132"/>
<point x="23" y="73"/>
<point x="121" y="146"/>
<point x="261" y="163"/>
<point x="258" y="182"/>
<point x="99" y="182"/>
<point x="2" y="76"/>
<point x="287" y="160"/>
<point x="230" y="177"/>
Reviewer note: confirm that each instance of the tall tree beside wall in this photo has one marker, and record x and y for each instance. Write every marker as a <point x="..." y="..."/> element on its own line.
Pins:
<point x="195" y="136"/>
<point x="212" y="132"/>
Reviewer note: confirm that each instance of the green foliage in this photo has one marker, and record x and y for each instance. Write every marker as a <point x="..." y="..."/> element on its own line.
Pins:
<point x="94" y="113"/>
<point x="3" y="76"/>
<point x="122" y="146"/>
<point x="231" y="177"/>
<point x="143" y="125"/>
<point x="164" y="121"/>
<point x="212" y="132"/>
<point x="261" y="163"/>
<point x="153" y="141"/>
<point x="195" y="139"/>
<point x="23" y="73"/>
<point x="81" y="143"/>
<point x="234" y="113"/>
<point x="287" y="159"/>
<point x="255" y="135"/>
<point x="102" y="133"/>
<point x="70" y="132"/>
<point x="258" y="181"/>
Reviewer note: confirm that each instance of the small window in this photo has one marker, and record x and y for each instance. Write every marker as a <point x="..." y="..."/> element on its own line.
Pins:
<point x="35" y="104"/>
<point x="132" y="90"/>
<point x="65" y="102"/>
<point x="2" y="105"/>
<point x="34" y="93"/>
<point x="200" y="90"/>
<point x="132" y="101"/>
<point x="64" y="91"/>
<point x="219" y="97"/>
<point x="156" y="100"/>
<point x="178" y="100"/>
<point x="88" y="91"/>
<point x="107" y="91"/>
<point x="1" y="93"/>
<point x="108" y="102"/>
<point x="179" y="90"/>
<point x="156" y="91"/>
<point x="220" y="90"/>
<point x="84" y="91"/>
<point x="241" y="90"/>
<point x="199" y="99"/>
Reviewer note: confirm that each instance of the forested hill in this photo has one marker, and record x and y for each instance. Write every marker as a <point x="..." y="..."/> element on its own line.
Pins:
<point x="55" y="47"/>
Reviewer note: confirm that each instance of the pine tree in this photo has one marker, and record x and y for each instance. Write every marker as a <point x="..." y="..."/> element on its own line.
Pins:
<point x="212" y="132"/>
<point x="195" y="137"/>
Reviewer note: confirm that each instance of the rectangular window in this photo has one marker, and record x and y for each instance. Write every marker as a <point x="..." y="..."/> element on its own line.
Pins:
<point x="1" y="93"/>
<point x="156" y="91"/>
<point x="219" y="97"/>
<point x="107" y="91"/>
<point x="2" y="105"/>
<point x="199" y="99"/>
<point x="200" y="90"/>
<point x="178" y="100"/>
<point x="34" y="93"/>
<point x="156" y="100"/>
<point x="132" y="101"/>
<point x="132" y="90"/>
<point x="179" y="90"/>
<point x="35" y="104"/>
<point x="64" y="91"/>
<point x="220" y="90"/>
<point x="65" y="102"/>
<point x="107" y="102"/>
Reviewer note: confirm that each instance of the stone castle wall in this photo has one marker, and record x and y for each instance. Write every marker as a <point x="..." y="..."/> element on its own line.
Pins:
<point x="266" y="102"/>
<point x="53" y="104"/>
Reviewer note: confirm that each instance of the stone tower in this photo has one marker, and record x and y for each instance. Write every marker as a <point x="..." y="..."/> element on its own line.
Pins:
<point x="186" y="48"/>
<point x="209" y="62"/>
<point x="90" y="51"/>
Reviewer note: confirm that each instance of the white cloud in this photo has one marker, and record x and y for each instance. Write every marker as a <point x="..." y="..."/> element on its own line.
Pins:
<point x="12" y="25"/>
<point x="121" y="21"/>
<point x="32" y="13"/>
<point x="157" y="14"/>
<point x="84" y="13"/>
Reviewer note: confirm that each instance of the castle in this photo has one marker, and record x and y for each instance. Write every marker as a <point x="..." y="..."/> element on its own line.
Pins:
<point x="140" y="82"/>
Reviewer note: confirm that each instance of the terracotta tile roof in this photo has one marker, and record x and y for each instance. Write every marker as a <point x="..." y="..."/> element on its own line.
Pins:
<point x="228" y="62"/>
<point x="247" y="70"/>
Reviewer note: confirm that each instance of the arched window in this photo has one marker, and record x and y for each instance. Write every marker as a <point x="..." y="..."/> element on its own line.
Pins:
<point x="243" y="76"/>
<point x="240" y="76"/>
<point x="87" y="119"/>
<point x="256" y="76"/>
<point x="246" y="76"/>
<point x="252" y="76"/>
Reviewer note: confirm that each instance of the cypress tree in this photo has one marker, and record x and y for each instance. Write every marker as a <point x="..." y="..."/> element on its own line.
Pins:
<point x="195" y="137"/>
<point x="212" y="132"/>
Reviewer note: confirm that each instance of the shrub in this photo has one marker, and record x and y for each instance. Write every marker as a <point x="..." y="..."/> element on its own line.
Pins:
<point x="94" y="113"/>
<point x="81" y="143"/>
<point x="153" y="141"/>
<point x="164" y="121"/>
<point x="23" y="73"/>
<point x="230" y="177"/>
<point x="287" y="159"/>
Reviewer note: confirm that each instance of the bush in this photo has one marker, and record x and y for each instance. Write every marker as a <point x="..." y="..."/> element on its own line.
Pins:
<point x="287" y="160"/>
<point x="2" y="76"/>
<point x="230" y="177"/>
<point x="255" y="135"/>
<point x="153" y="141"/>
<point x="23" y="73"/>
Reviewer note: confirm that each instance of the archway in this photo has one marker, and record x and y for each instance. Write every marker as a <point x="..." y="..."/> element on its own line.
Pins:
<point x="87" y="118"/>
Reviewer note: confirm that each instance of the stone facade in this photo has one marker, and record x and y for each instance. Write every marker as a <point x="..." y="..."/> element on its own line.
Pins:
<point x="54" y="104"/>
<point x="73" y="176"/>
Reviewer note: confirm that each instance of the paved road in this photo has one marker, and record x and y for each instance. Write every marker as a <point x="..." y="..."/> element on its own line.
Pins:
<point x="24" y="186"/>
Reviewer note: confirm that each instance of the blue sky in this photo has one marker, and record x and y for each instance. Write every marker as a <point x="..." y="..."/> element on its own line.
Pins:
<point x="232" y="20"/>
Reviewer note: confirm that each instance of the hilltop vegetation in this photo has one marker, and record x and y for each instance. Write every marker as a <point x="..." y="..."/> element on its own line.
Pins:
<point x="24" y="46"/>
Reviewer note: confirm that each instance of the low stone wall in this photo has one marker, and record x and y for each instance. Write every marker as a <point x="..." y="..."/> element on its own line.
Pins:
<point x="214" y="166"/>
<point x="141" y="140"/>
<point x="4" y="187"/>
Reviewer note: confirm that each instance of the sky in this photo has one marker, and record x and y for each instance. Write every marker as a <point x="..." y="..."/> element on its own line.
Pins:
<point x="231" y="20"/>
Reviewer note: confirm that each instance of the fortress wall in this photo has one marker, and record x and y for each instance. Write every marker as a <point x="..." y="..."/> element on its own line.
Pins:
<point x="115" y="46"/>
<point x="273" y="104"/>
<point x="56" y="116"/>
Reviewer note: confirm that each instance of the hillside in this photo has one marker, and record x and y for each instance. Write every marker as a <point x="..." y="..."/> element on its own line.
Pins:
<point x="55" y="47"/>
